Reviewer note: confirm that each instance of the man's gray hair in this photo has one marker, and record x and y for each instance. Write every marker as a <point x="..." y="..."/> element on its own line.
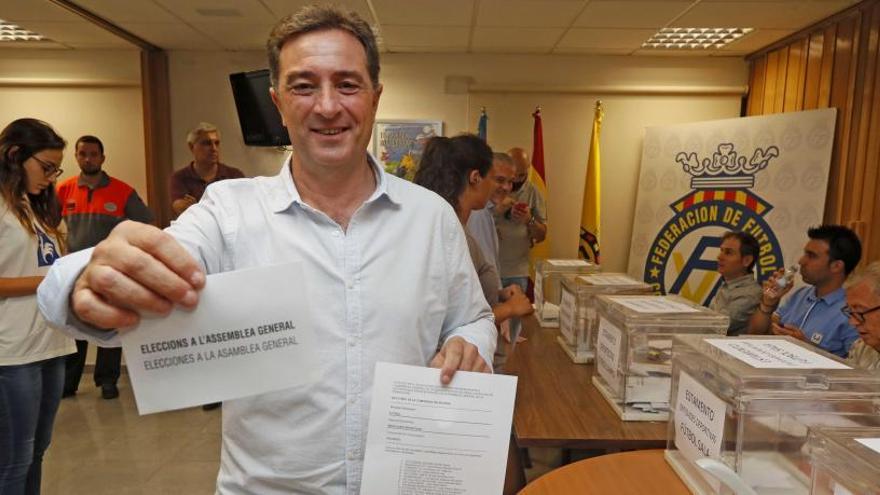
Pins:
<point x="502" y="157"/>
<point x="203" y="128"/>
<point x="870" y="275"/>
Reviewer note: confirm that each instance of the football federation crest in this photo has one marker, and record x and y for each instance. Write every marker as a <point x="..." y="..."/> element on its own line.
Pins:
<point x="679" y="259"/>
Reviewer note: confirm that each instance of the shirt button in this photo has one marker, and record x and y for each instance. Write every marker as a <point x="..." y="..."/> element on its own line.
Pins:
<point x="351" y="342"/>
<point x="335" y="233"/>
<point x="350" y="285"/>
<point x="352" y="455"/>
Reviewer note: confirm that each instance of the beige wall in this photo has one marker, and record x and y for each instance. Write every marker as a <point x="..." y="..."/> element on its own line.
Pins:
<point x="81" y="92"/>
<point x="690" y="89"/>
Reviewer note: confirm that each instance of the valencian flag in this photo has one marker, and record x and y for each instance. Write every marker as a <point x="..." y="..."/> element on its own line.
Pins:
<point x="483" y="125"/>
<point x="588" y="246"/>
<point x="538" y="178"/>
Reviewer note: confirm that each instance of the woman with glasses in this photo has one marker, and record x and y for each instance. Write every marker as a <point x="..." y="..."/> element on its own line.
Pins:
<point x="31" y="354"/>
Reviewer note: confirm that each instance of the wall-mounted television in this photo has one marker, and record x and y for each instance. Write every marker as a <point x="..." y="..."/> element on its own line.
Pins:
<point x="259" y="119"/>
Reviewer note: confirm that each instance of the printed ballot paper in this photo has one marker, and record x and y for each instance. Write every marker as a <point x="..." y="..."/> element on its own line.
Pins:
<point x="250" y="334"/>
<point x="427" y="438"/>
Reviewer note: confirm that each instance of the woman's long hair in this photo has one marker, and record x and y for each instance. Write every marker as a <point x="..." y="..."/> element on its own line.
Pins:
<point x="447" y="162"/>
<point x="19" y="141"/>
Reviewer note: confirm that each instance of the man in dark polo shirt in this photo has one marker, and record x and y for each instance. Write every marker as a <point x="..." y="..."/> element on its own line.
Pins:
<point x="189" y="183"/>
<point x="92" y="204"/>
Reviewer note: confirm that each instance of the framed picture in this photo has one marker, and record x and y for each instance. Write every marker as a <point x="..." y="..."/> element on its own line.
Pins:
<point x="398" y="144"/>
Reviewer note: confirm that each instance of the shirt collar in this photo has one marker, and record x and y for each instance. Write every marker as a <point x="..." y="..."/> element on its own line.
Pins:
<point x="832" y="298"/>
<point x="740" y="281"/>
<point x="102" y="182"/>
<point x="283" y="191"/>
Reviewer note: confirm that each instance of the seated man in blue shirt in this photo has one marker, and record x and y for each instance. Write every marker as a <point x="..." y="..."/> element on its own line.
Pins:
<point x="813" y="313"/>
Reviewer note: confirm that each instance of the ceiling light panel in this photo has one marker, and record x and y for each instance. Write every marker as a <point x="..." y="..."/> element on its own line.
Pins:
<point x="12" y="32"/>
<point x="694" y="38"/>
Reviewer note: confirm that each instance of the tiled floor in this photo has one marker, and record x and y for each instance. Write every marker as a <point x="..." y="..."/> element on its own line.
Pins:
<point x="104" y="447"/>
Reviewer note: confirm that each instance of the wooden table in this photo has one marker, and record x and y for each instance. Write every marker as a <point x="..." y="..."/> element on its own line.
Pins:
<point x="558" y="406"/>
<point x="640" y="472"/>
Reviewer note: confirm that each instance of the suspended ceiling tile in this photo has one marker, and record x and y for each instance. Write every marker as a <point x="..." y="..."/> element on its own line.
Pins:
<point x="637" y="14"/>
<point x="756" y="40"/>
<point x="81" y="33"/>
<point x="570" y="50"/>
<point x="35" y="10"/>
<point x="281" y="8"/>
<point x="593" y="38"/>
<point x="509" y="39"/>
<point x="441" y="38"/>
<point x="522" y="13"/>
<point x="117" y="11"/>
<point x="759" y="14"/>
<point x="172" y="36"/>
<point x="237" y="36"/>
<point x="35" y="45"/>
<point x="219" y="11"/>
<point x="424" y="12"/>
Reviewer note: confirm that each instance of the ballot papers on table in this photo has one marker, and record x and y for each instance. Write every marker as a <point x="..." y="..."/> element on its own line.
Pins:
<point x="250" y="334"/>
<point x="425" y="437"/>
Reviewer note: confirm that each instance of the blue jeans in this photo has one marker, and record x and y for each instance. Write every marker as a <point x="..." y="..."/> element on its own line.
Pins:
<point x="29" y="397"/>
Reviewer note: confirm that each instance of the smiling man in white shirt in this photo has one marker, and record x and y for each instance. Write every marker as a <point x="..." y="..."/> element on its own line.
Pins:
<point x="386" y="267"/>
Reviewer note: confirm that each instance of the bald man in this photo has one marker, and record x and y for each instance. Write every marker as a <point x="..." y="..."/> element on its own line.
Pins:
<point x="521" y="219"/>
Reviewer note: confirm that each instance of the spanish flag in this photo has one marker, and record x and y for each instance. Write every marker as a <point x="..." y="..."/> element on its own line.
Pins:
<point x="539" y="180"/>
<point x="588" y="248"/>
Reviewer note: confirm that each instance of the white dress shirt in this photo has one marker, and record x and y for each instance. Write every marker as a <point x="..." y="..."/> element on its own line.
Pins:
<point x="393" y="287"/>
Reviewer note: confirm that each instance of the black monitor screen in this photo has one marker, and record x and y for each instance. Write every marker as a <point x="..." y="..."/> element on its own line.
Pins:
<point x="260" y="122"/>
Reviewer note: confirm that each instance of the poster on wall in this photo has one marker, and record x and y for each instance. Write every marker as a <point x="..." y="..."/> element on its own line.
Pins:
<point x="764" y="175"/>
<point x="397" y="144"/>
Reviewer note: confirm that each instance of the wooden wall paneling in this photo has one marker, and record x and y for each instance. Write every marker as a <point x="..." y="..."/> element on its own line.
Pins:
<point x="842" y="88"/>
<point x="770" y="82"/>
<point x="813" y="70"/>
<point x="781" y="78"/>
<point x="835" y="63"/>
<point x="794" y="78"/>
<point x="867" y="204"/>
<point x="157" y="132"/>
<point x="865" y="92"/>
<point x="756" y="86"/>
<point x="829" y="38"/>
<point x="801" y="80"/>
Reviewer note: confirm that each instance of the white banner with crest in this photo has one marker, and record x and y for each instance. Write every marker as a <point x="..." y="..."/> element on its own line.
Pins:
<point x="764" y="175"/>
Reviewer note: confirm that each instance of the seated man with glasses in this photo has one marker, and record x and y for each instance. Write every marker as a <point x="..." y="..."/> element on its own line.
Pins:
<point x="863" y="310"/>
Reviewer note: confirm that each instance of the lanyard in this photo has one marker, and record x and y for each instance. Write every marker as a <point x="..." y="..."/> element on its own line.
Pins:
<point x="807" y="314"/>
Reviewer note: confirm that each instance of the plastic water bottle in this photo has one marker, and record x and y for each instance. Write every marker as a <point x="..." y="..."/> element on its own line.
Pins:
<point x="782" y="282"/>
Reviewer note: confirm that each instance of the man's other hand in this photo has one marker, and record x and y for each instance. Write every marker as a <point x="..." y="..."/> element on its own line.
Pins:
<point x="136" y="268"/>
<point x="458" y="354"/>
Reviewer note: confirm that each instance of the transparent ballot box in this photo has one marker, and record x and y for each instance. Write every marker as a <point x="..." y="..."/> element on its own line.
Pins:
<point x="548" y="291"/>
<point x="846" y="461"/>
<point x="742" y="407"/>
<point x="577" y="309"/>
<point x="633" y="346"/>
